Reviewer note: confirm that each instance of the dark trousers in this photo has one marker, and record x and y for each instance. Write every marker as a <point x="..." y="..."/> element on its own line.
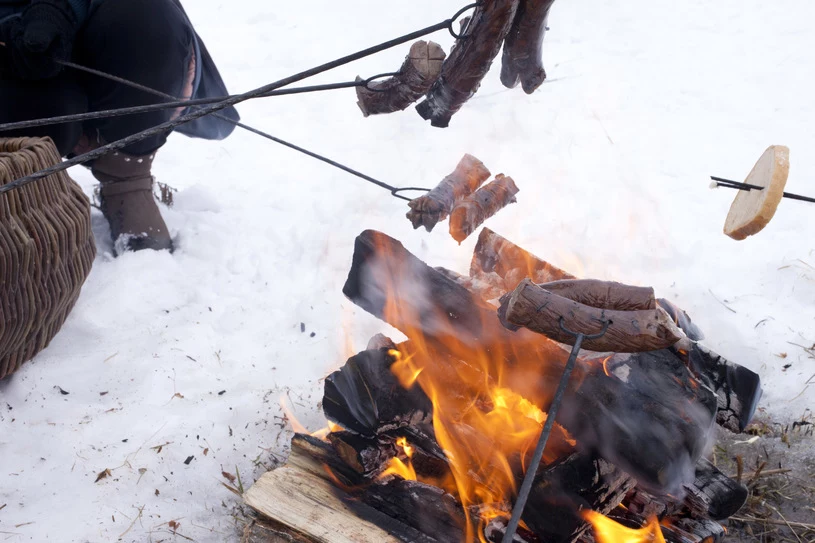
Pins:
<point x="146" y="41"/>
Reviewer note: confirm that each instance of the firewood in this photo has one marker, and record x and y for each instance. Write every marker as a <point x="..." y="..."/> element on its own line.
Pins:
<point x="365" y="397"/>
<point x="367" y="456"/>
<point x="499" y="262"/>
<point x="737" y="388"/>
<point x="535" y="308"/>
<point x="522" y="60"/>
<point x="713" y="494"/>
<point x="436" y="205"/>
<point x="604" y="294"/>
<point x="647" y="414"/>
<point x="752" y="210"/>
<point x="682" y="320"/>
<point x="469" y="61"/>
<point x="418" y="73"/>
<point x="562" y="489"/>
<point x="481" y="205"/>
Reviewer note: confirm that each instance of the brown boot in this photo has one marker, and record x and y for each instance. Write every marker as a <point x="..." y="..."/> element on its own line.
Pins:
<point x="128" y="204"/>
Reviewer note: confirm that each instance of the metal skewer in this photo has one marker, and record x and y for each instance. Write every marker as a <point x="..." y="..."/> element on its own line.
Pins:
<point x="727" y="183"/>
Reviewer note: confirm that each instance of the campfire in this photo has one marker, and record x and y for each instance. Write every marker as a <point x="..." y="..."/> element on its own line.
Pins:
<point x="430" y="439"/>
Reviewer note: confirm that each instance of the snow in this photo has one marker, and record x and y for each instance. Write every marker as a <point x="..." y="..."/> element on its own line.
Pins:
<point x="195" y="350"/>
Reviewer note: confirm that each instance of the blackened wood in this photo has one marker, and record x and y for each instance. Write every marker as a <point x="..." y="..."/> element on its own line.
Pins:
<point x="522" y="60"/>
<point x="737" y="388"/>
<point x="682" y="320"/>
<point x="365" y="397"/>
<point x="367" y="456"/>
<point x="536" y="308"/>
<point x="647" y="414"/>
<point x="691" y="530"/>
<point x="435" y="206"/>
<point x="562" y="489"/>
<point x="469" y="61"/>
<point x="481" y="205"/>
<point x="499" y="262"/>
<point x="418" y="73"/>
<point x="604" y="294"/>
<point x="421" y="506"/>
<point x="713" y="494"/>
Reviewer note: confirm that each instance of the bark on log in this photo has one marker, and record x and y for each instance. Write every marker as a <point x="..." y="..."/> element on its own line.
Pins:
<point x="522" y="60"/>
<point x="469" y="61"/>
<point x="737" y="388"/>
<point x="535" y="308"/>
<point x="436" y="205"/>
<point x="481" y="205"/>
<point x="499" y="262"/>
<point x="418" y="73"/>
<point x="561" y="490"/>
<point x="645" y="413"/>
<point x="604" y="294"/>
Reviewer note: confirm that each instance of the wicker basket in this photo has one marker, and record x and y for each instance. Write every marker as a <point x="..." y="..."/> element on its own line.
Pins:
<point x="46" y="250"/>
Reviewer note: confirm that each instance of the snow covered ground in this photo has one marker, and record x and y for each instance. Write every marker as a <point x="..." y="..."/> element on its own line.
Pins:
<point x="168" y="357"/>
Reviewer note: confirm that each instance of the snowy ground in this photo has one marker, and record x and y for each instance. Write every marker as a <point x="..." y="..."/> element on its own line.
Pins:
<point x="193" y="351"/>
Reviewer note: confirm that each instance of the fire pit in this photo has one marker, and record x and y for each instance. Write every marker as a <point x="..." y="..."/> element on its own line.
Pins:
<point x="430" y="439"/>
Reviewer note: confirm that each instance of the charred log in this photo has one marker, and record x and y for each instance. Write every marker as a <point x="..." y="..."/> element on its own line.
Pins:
<point x="682" y="320"/>
<point x="562" y="489"/>
<point x="522" y="60"/>
<point x="604" y="294"/>
<point x="737" y="388"/>
<point x="541" y="311"/>
<point x="480" y="206"/>
<point x="647" y="414"/>
<point x="436" y="205"/>
<point x="365" y="397"/>
<point x="418" y="73"/>
<point x="713" y="494"/>
<point x="469" y="61"/>
<point x="367" y="456"/>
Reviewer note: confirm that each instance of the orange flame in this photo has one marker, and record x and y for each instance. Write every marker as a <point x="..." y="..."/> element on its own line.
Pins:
<point x="299" y="428"/>
<point x="396" y="466"/>
<point x="609" y="531"/>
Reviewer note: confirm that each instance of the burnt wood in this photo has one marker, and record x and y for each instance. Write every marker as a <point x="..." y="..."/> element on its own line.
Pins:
<point x="435" y="206"/>
<point x="417" y="74"/>
<point x="481" y="205"/>
<point x="469" y="61"/>
<point x="367" y="456"/>
<point x="682" y="320"/>
<point x="604" y="294"/>
<point x="539" y="310"/>
<point x="713" y="494"/>
<point x="522" y="60"/>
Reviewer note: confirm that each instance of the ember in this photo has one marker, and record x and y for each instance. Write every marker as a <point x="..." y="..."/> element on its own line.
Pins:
<point x="438" y="431"/>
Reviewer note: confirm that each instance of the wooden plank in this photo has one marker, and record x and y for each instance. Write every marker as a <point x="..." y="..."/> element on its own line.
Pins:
<point x="311" y="508"/>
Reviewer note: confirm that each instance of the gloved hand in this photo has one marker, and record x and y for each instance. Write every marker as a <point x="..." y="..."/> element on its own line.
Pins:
<point x="34" y="41"/>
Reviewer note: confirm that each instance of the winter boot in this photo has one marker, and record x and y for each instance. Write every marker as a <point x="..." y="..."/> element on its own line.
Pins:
<point x="128" y="204"/>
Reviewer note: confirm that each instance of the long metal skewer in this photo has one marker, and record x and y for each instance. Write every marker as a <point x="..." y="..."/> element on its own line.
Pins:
<point x="727" y="183"/>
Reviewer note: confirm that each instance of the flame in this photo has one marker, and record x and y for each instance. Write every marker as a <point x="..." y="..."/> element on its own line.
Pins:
<point x="486" y="419"/>
<point x="396" y="466"/>
<point x="609" y="531"/>
<point x="299" y="428"/>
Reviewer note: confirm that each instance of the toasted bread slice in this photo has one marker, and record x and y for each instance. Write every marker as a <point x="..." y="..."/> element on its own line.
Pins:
<point x="752" y="210"/>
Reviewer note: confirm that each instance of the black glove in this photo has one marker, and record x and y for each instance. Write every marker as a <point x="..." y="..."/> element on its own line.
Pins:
<point x="35" y="41"/>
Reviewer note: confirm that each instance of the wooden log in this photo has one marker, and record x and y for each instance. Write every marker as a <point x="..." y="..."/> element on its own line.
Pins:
<point x="535" y="308"/>
<point x="562" y="489"/>
<point x="713" y="495"/>
<point x="365" y="397"/>
<point x="499" y="262"/>
<point x="645" y="413"/>
<point x="682" y="320"/>
<point x="420" y="70"/>
<point x="435" y="206"/>
<point x="367" y="456"/>
<point x="604" y="294"/>
<point x="737" y="388"/>
<point x="481" y="205"/>
<point x="469" y="61"/>
<point x="523" y="46"/>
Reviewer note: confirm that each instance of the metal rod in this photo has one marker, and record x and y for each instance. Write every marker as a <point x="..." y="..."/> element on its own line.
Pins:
<point x="727" y="183"/>
<point x="118" y="112"/>
<point x="537" y="456"/>
<point x="214" y="108"/>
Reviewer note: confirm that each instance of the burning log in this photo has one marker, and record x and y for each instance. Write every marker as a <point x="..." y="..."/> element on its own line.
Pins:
<point x="713" y="494"/>
<point x="737" y="388"/>
<point x="541" y="311"/>
<point x="367" y="456"/>
<point x="522" y="60"/>
<point x="418" y="73"/>
<point x="469" y="61"/>
<point x="604" y="294"/>
<point x="564" y="488"/>
<point x="483" y="204"/>
<point x="436" y="205"/>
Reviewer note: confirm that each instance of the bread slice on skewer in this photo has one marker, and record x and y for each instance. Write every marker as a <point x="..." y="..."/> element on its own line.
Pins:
<point x="752" y="210"/>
